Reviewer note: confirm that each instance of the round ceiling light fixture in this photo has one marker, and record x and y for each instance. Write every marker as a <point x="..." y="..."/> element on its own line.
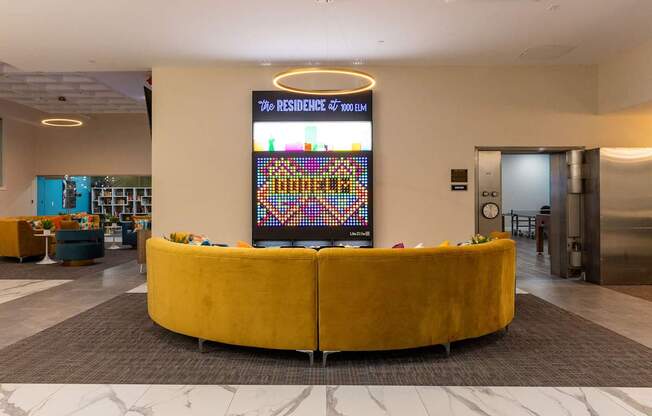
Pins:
<point x="370" y="81"/>
<point x="61" y="122"/>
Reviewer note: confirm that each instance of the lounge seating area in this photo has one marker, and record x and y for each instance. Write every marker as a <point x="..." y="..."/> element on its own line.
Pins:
<point x="17" y="234"/>
<point x="326" y="208"/>
<point x="334" y="299"/>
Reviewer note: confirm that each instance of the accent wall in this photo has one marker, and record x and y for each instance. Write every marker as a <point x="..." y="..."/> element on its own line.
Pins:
<point x="427" y="120"/>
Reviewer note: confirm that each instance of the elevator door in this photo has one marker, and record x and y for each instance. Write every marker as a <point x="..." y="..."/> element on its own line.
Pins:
<point x="489" y="215"/>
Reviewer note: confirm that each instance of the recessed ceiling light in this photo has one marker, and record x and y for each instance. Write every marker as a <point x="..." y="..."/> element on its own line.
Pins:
<point x="61" y="122"/>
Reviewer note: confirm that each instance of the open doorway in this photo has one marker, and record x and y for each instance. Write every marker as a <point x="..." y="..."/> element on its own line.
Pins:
<point x="524" y="191"/>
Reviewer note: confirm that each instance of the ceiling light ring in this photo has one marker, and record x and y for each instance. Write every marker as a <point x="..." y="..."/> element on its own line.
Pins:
<point x="62" y="122"/>
<point x="370" y="80"/>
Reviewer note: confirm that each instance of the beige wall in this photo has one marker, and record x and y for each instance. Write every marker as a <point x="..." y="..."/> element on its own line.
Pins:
<point x="19" y="132"/>
<point x="18" y="192"/>
<point x="107" y="144"/>
<point x="626" y="79"/>
<point x="426" y="121"/>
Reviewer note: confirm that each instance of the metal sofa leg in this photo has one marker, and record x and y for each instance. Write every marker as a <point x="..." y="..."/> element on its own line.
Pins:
<point x="311" y="355"/>
<point x="325" y="355"/>
<point x="141" y="268"/>
<point x="200" y="344"/>
<point x="20" y="259"/>
<point x="447" y="346"/>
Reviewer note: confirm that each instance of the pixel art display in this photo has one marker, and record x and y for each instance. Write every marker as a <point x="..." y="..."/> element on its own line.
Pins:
<point x="312" y="191"/>
<point x="312" y="173"/>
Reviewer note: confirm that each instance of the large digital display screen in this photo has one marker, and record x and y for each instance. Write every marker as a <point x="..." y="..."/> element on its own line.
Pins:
<point x="316" y="196"/>
<point x="312" y="167"/>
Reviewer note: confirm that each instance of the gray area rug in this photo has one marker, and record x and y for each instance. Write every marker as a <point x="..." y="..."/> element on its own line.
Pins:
<point x="11" y="269"/>
<point x="116" y="342"/>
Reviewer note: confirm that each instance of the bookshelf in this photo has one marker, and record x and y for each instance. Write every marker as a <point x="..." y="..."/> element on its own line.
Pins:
<point x="121" y="201"/>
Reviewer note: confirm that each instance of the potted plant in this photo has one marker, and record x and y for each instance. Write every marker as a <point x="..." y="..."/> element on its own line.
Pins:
<point x="480" y="239"/>
<point x="112" y="219"/>
<point x="47" y="226"/>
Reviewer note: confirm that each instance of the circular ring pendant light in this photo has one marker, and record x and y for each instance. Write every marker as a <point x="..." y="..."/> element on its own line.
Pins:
<point x="61" y="122"/>
<point x="370" y="82"/>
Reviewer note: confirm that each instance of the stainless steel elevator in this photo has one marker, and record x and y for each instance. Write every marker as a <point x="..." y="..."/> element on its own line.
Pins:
<point x="618" y="215"/>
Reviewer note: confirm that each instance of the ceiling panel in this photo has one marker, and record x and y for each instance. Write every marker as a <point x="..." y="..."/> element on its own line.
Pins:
<point x="59" y="92"/>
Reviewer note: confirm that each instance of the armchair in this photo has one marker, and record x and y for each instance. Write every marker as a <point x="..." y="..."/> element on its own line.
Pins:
<point x="129" y="235"/>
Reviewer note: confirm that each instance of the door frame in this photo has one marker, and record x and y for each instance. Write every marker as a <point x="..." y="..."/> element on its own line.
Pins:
<point x="557" y="246"/>
<point x="511" y="150"/>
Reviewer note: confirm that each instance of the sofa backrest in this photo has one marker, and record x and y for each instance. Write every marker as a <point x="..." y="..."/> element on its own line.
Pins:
<point x="254" y="297"/>
<point x="9" y="242"/>
<point x="380" y="299"/>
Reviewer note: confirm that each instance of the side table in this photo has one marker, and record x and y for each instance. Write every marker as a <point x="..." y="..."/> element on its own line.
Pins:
<point x="111" y="232"/>
<point x="47" y="259"/>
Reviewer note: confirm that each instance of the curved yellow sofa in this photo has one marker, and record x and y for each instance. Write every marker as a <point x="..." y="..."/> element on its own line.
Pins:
<point x="332" y="300"/>
<point x="385" y="299"/>
<point x="240" y="296"/>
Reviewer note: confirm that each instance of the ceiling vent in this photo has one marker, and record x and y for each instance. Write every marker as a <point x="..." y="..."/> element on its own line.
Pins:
<point x="546" y="52"/>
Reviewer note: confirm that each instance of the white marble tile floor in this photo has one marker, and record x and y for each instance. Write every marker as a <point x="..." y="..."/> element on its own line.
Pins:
<point x="178" y="400"/>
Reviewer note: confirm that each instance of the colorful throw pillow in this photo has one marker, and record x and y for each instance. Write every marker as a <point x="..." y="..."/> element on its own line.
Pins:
<point x="243" y="244"/>
<point x="445" y="243"/>
<point x="142" y="224"/>
<point x="178" y="237"/>
<point x="420" y="245"/>
<point x="57" y="222"/>
<point x="398" y="245"/>
<point x="198" y="240"/>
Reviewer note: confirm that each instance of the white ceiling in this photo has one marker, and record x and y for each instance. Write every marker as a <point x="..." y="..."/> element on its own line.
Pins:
<point x="90" y="35"/>
<point x="74" y="92"/>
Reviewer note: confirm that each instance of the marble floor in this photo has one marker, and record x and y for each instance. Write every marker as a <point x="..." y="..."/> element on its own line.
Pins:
<point x="11" y="289"/>
<point x="178" y="400"/>
<point x="32" y="312"/>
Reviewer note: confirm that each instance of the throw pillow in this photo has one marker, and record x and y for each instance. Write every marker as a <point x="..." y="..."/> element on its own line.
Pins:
<point x="179" y="237"/>
<point x="445" y="243"/>
<point x="243" y="244"/>
<point x="398" y="245"/>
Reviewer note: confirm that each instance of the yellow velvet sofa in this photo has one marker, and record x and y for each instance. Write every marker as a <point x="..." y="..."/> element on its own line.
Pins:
<point x="17" y="235"/>
<point x="333" y="300"/>
<point x="249" y="297"/>
<point x="385" y="299"/>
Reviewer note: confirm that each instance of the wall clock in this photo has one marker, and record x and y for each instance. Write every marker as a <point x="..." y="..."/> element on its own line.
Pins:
<point x="490" y="210"/>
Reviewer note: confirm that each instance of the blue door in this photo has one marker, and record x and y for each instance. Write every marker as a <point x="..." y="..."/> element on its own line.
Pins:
<point x="50" y="195"/>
